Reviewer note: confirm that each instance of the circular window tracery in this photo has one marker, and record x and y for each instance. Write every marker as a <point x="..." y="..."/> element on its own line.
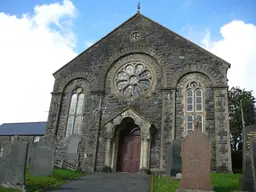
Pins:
<point x="135" y="36"/>
<point x="193" y="84"/>
<point x="133" y="79"/>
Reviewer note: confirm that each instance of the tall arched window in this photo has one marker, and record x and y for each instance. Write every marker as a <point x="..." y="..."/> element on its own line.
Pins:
<point x="1" y="151"/>
<point x="75" y="114"/>
<point x="194" y="107"/>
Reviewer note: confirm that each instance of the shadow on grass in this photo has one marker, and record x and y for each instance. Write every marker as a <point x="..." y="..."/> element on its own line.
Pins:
<point x="224" y="189"/>
<point x="58" y="189"/>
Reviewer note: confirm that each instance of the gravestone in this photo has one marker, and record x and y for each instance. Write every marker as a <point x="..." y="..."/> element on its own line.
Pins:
<point x="253" y="159"/>
<point x="42" y="163"/>
<point x="13" y="164"/>
<point x="73" y="149"/>
<point x="173" y="158"/>
<point x="246" y="181"/>
<point x="196" y="157"/>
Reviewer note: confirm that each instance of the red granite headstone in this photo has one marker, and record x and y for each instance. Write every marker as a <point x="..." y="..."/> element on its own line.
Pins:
<point x="196" y="161"/>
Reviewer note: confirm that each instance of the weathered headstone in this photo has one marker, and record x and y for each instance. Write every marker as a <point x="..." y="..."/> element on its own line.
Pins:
<point x="253" y="159"/>
<point x="173" y="158"/>
<point x="196" y="162"/>
<point x="13" y="164"/>
<point x="246" y="181"/>
<point x="73" y="149"/>
<point x="178" y="176"/>
<point x="42" y="163"/>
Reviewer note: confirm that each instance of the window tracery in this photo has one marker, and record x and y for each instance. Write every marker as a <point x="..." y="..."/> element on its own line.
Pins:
<point x="133" y="79"/>
<point x="1" y="151"/>
<point x="194" y="106"/>
<point x="135" y="36"/>
<point x="75" y="112"/>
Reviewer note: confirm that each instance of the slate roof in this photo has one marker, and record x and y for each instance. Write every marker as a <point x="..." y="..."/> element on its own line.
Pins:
<point x="29" y="128"/>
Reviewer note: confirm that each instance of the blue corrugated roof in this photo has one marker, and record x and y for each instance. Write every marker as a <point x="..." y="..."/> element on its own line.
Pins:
<point x="29" y="128"/>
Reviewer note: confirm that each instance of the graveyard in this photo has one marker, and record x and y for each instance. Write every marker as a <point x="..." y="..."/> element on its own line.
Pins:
<point x="189" y="166"/>
<point x="145" y="108"/>
<point x="35" y="183"/>
<point x="41" y="173"/>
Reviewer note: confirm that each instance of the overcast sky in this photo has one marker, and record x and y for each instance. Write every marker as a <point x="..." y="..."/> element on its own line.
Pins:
<point x="38" y="37"/>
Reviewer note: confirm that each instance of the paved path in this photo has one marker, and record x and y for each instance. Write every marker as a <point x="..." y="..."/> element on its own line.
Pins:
<point x="108" y="182"/>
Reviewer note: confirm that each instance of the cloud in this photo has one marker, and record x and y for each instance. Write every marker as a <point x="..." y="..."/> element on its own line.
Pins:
<point x="237" y="46"/>
<point x="32" y="47"/>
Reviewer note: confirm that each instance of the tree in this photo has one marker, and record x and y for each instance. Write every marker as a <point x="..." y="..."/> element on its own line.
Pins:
<point x="238" y="97"/>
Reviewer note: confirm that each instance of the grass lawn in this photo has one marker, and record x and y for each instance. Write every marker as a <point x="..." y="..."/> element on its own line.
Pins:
<point x="36" y="183"/>
<point x="222" y="182"/>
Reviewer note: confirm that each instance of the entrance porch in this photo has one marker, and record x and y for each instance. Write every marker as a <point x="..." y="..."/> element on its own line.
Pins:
<point x="128" y="143"/>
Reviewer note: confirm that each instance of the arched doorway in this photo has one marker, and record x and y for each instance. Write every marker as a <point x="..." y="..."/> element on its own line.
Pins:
<point x="129" y="147"/>
<point x="123" y="132"/>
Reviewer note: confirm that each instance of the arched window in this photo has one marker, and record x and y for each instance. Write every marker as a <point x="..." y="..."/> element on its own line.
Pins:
<point x="1" y="151"/>
<point x="190" y="123"/>
<point x="194" y="106"/>
<point x="190" y="100"/>
<point x="198" y="100"/>
<point x="75" y="115"/>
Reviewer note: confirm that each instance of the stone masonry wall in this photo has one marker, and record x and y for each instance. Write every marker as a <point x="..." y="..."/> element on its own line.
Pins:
<point x="222" y="132"/>
<point x="63" y="117"/>
<point x="174" y="58"/>
<point x="148" y="106"/>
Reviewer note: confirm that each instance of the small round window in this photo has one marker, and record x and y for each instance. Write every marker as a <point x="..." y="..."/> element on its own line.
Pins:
<point x="78" y="90"/>
<point x="193" y="84"/>
<point x="135" y="36"/>
<point x="133" y="79"/>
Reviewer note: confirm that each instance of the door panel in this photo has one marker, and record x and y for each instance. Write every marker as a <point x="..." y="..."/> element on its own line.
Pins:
<point x="135" y="159"/>
<point x="129" y="154"/>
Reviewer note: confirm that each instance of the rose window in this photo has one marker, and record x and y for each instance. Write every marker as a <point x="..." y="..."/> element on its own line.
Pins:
<point x="133" y="79"/>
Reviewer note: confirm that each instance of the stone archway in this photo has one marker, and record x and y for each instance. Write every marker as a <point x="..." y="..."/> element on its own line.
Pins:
<point x="113" y="129"/>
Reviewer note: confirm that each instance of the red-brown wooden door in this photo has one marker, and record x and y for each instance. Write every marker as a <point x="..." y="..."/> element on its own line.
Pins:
<point x="129" y="153"/>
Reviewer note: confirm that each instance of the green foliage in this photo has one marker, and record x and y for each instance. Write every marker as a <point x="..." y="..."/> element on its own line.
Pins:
<point x="164" y="183"/>
<point x="222" y="182"/>
<point x="8" y="190"/>
<point x="36" y="183"/>
<point x="59" y="177"/>
<point x="237" y="97"/>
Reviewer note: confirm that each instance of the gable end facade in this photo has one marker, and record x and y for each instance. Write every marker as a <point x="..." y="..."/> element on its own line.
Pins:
<point x="144" y="67"/>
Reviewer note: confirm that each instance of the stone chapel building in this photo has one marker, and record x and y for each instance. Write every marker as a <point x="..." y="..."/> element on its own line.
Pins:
<point x="134" y="91"/>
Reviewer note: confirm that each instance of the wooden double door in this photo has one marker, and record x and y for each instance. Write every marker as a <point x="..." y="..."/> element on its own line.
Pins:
<point x="129" y="151"/>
